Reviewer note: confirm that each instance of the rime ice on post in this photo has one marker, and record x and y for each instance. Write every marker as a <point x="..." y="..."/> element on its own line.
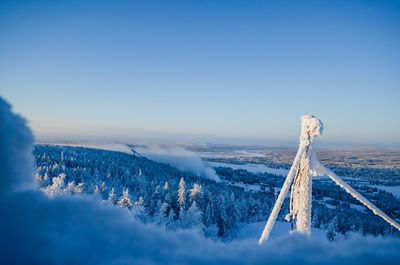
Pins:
<point x="304" y="167"/>
<point x="301" y="193"/>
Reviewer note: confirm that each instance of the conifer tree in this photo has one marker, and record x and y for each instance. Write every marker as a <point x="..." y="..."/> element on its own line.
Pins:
<point x="181" y="192"/>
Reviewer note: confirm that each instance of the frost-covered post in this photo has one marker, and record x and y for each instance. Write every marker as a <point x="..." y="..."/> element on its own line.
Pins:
<point x="304" y="167"/>
<point x="301" y="193"/>
<point x="300" y="200"/>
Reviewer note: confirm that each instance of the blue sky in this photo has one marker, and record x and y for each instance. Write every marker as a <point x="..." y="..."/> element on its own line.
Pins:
<point x="208" y="71"/>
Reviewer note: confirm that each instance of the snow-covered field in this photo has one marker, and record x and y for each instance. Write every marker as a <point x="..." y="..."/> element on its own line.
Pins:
<point x="360" y="208"/>
<point x="247" y="187"/>
<point x="395" y="190"/>
<point x="252" y="168"/>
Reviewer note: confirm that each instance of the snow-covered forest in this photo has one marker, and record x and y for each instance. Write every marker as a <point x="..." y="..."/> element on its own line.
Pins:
<point x="151" y="191"/>
<point x="160" y="194"/>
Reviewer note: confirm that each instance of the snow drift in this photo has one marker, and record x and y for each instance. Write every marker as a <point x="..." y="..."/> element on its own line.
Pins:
<point x="16" y="148"/>
<point x="79" y="230"/>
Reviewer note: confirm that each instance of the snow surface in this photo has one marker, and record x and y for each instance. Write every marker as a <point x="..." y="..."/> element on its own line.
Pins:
<point x="358" y="207"/>
<point x="250" y="167"/>
<point x="247" y="187"/>
<point x="252" y="231"/>
<point x="395" y="190"/>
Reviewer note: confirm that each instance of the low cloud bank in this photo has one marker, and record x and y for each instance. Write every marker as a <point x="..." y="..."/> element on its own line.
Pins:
<point x="179" y="158"/>
<point x="79" y="230"/>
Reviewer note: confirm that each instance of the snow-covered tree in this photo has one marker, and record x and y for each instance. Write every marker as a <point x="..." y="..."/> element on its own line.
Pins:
<point x="193" y="218"/>
<point x="166" y="186"/>
<point x="181" y="214"/>
<point x="171" y="220"/>
<point x="195" y="191"/>
<point x="209" y="217"/>
<point x="125" y="201"/>
<point x="332" y="229"/>
<point x="45" y="179"/>
<point x="138" y="208"/>
<point x="181" y="192"/>
<point x="112" y="197"/>
<point x="79" y="188"/>
<point x="164" y="210"/>
<point x="56" y="187"/>
<point x="103" y="186"/>
<point x="157" y="191"/>
<point x="70" y="188"/>
<point x="38" y="178"/>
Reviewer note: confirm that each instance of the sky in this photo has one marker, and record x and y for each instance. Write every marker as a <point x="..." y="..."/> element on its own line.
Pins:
<point x="208" y="71"/>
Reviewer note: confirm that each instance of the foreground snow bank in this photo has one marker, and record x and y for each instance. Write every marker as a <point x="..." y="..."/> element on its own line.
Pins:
<point x="252" y="231"/>
<point x="73" y="230"/>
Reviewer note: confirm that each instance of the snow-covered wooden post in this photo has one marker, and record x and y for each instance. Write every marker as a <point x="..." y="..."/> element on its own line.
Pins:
<point x="304" y="167"/>
<point x="301" y="193"/>
<point x="300" y="201"/>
